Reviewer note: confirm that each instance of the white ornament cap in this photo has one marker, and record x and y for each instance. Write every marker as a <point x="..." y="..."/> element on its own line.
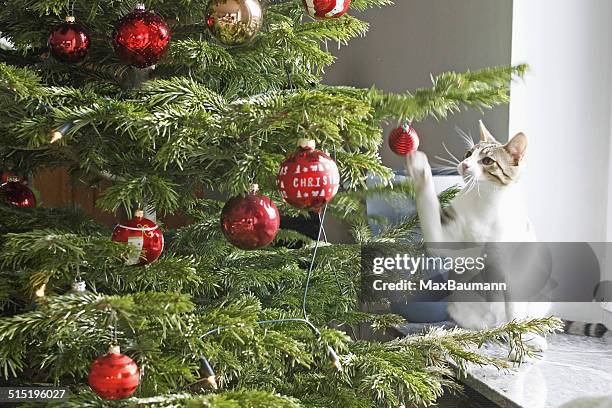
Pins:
<point x="307" y="143"/>
<point x="140" y="7"/>
<point x="79" y="286"/>
<point x="139" y="214"/>
<point x="70" y="19"/>
<point x="254" y="188"/>
<point x="114" y="349"/>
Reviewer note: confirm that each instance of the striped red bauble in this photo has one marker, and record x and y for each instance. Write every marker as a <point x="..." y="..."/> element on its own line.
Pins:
<point x="404" y="140"/>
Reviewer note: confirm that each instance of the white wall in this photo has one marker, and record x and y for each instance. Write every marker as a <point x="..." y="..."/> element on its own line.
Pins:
<point x="564" y="107"/>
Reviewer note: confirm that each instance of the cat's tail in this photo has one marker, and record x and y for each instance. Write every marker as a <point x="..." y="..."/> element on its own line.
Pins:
<point x="584" y="329"/>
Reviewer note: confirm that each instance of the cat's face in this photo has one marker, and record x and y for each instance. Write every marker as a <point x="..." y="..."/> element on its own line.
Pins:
<point x="492" y="162"/>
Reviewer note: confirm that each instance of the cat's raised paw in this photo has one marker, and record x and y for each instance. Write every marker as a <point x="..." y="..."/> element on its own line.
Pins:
<point x="417" y="167"/>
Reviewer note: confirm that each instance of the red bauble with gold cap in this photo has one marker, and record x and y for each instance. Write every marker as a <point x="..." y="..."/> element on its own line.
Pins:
<point x="142" y="233"/>
<point x="15" y="192"/>
<point x="308" y="179"/>
<point x="114" y="376"/>
<point x="326" y="9"/>
<point x="141" y="38"/>
<point x="404" y="140"/>
<point x="251" y="221"/>
<point x="69" y="42"/>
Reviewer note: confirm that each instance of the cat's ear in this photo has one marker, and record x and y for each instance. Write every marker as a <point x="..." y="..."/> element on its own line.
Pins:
<point x="485" y="135"/>
<point x="516" y="147"/>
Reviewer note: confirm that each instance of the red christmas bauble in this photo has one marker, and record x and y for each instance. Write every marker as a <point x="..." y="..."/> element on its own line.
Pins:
<point x="404" y="140"/>
<point x="69" y="42"/>
<point x="142" y="233"/>
<point x="326" y="9"/>
<point x="250" y="221"/>
<point x="17" y="193"/>
<point x="114" y="376"/>
<point x="308" y="179"/>
<point x="141" y="38"/>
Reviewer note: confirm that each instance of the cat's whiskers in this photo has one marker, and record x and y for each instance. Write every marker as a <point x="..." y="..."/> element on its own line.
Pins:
<point x="470" y="184"/>
<point x="445" y="170"/>
<point x="450" y="154"/>
<point x="467" y="179"/>
<point x="447" y="161"/>
<point x="467" y="138"/>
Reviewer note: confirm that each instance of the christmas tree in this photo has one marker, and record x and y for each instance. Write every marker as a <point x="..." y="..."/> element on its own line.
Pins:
<point x="170" y="107"/>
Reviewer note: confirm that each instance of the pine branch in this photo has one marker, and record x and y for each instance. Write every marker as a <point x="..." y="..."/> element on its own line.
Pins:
<point x="451" y="91"/>
<point x="456" y="343"/>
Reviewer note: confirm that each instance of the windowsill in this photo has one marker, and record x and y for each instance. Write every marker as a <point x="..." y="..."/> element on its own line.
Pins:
<point x="573" y="367"/>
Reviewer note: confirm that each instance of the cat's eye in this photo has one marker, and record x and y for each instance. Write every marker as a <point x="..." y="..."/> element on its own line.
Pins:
<point x="468" y="154"/>
<point x="487" y="161"/>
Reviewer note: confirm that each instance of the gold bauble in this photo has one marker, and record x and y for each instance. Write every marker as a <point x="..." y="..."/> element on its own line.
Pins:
<point x="234" y="22"/>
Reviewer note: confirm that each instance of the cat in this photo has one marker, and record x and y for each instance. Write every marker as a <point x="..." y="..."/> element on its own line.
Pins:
<point x="490" y="208"/>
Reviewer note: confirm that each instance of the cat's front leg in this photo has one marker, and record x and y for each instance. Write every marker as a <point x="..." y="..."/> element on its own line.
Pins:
<point x="428" y="206"/>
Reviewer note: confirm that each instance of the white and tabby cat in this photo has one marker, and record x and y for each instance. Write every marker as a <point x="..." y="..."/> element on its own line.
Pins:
<point x="490" y="208"/>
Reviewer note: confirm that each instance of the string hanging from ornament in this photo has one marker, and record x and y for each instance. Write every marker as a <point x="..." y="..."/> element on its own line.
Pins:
<point x="141" y="38"/>
<point x="209" y="375"/>
<point x="332" y="355"/>
<point x="143" y="234"/>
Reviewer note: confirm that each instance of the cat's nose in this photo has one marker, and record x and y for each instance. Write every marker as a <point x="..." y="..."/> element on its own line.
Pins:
<point x="465" y="166"/>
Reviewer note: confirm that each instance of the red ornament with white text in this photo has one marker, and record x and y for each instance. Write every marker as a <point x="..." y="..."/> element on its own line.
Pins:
<point x="308" y="179"/>
<point x="250" y="222"/>
<point x="15" y="192"/>
<point x="143" y="234"/>
<point x="326" y="9"/>
<point x="404" y="140"/>
<point x="114" y="376"/>
<point x="69" y="42"/>
<point x="141" y="38"/>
